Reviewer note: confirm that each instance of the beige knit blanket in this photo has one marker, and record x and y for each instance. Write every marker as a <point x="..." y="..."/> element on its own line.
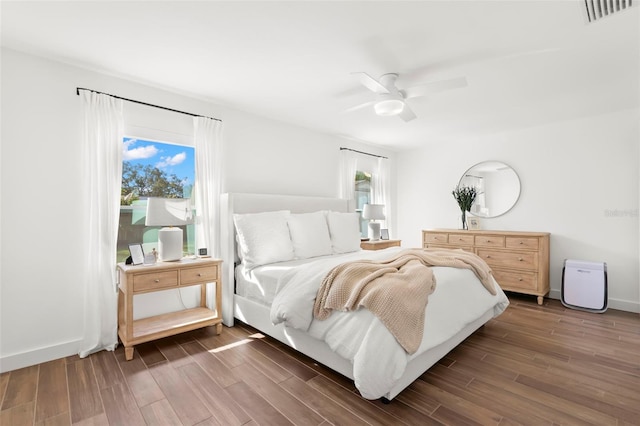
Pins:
<point x="395" y="290"/>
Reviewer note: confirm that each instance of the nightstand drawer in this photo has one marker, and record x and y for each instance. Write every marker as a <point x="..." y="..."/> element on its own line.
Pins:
<point x="489" y="240"/>
<point x="516" y="280"/>
<point x="155" y="280"/>
<point x="436" y="238"/>
<point x="198" y="275"/>
<point x="513" y="260"/>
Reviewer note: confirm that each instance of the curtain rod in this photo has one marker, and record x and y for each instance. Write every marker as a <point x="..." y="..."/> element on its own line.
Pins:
<point x="78" y="89"/>
<point x="362" y="152"/>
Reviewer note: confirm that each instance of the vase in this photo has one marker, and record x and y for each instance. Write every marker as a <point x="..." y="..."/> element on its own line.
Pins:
<point x="464" y="220"/>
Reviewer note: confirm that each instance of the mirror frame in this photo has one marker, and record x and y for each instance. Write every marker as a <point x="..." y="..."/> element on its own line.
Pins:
<point x="516" y="197"/>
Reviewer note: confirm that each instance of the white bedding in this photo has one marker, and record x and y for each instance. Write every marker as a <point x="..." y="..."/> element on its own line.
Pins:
<point x="259" y="284"/>
<point x="360" y="337"/>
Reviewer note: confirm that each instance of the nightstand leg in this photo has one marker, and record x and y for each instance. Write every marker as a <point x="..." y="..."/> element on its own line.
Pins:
<point x="540" y="300"/>
<point x="218" y="328"/>
<point x="128" y="353"/>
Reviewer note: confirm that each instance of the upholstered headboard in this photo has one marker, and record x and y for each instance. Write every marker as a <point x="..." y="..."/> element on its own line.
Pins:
<point x="256" y="203"/>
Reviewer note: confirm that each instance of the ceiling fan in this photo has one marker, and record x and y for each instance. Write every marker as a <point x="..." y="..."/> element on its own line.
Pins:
<point x="392" y="101"/>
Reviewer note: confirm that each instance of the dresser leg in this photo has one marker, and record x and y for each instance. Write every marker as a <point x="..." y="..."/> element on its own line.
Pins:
<point x="128" y="353"/>
<point x="540" y="300"/>
<point x="218" y="328"/>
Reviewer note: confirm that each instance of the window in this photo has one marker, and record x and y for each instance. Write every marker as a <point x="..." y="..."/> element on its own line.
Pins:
<point x="152" y="169"/>
<point x="363" y="196"/>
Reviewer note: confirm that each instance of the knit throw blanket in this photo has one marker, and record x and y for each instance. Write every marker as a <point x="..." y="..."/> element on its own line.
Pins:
<point x="395" y="290"/>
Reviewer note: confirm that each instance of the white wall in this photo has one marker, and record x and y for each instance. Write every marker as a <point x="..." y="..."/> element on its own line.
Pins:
<point x="579" y="182"/>
<point x="41" y="288"/>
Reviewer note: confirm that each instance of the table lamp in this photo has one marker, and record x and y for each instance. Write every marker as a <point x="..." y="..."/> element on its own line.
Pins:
<point x="373" y="212"/>
<point x="169" y="213"/>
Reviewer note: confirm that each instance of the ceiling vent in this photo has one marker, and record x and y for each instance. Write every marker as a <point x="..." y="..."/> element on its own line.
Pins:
<point x="598" y="9"/>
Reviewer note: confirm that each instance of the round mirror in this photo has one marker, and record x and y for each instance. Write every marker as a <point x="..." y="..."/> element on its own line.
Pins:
<point x="498" y="188"/>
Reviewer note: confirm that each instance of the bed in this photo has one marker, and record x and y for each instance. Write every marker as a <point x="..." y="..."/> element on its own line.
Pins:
<point x="268" y="285"/>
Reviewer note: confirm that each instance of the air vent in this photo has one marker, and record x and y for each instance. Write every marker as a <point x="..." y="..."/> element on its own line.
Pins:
<point x="598" y="9"/>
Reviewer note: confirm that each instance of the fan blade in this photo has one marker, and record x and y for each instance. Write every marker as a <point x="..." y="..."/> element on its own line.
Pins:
<point x="435" y="87"/>
<point x="357" y="107"/>
<point x="407" y="114"/>
<point x="370" y="83"/>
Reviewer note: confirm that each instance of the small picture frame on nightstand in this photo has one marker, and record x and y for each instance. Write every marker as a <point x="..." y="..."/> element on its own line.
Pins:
<point x="473" y="223"/>
<point x="384" y="234"/>
<point x="137" y="255"/>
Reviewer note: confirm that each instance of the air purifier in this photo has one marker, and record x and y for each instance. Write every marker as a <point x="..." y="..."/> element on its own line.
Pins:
<point x="584" y="285"/>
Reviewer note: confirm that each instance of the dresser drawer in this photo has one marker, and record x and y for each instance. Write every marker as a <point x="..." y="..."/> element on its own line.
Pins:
<point x="489" y="240"/>
<point x="436" y="238"/>
<point x="521" y="243"/>
<point x="450" y="247"/>
<point x="155" y="280"/>
<point x="506" y="259"/>
<point x="198" y="275"/>
<point x="516" y="280"/>
<point x="461" y="240"/>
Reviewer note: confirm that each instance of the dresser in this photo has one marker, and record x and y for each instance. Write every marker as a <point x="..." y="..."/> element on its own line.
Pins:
<point x="519" y="260"/>
<point x="141" y="279"/>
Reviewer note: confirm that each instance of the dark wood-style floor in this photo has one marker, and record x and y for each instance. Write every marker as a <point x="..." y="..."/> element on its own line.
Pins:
<point x="532" y="365"/>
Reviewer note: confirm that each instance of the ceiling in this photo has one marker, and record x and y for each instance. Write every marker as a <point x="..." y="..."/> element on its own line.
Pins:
<point x="526" y="62"/>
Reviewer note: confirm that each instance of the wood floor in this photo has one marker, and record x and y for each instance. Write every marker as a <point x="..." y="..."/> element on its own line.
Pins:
<point x="532" y="365"/>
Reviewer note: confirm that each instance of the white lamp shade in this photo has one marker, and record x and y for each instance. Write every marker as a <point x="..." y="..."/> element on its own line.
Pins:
<point x="168" y="211"/>
<point x="373" y="211"/>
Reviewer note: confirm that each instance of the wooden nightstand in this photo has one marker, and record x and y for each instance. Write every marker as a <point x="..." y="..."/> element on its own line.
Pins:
<point x="379" y="244"/>
<point x="165" y="276"/>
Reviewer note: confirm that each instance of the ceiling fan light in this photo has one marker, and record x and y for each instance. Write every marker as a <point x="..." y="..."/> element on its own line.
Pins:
<point x="389" y="107"/>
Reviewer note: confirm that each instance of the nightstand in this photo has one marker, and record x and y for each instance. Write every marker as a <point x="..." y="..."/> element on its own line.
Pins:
<point x="165" y="276"/>
<point x="379" y="244"/>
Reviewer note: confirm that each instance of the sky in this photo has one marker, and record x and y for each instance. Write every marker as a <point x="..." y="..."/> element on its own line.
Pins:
<point x="172" y="159"/>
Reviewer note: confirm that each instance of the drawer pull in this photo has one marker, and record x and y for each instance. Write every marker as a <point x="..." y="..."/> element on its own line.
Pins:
<point x="157" y="280"/>
<point x="199" y="274"/>
<point x="520" y="259"/>
<point x="521" y="242"/>
<point x="520" y="279"/>
<point x="488" y="257"/>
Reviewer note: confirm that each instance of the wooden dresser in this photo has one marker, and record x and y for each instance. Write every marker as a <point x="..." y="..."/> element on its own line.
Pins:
<point x="519" y="260"/>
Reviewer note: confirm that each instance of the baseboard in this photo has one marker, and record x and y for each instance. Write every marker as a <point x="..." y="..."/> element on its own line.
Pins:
<point x="37" y="356"/>
<point x="618" y="304"/>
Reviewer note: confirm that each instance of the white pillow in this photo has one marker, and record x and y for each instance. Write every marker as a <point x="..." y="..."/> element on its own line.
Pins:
<point x="310" y="235"/>
<point x="344" y="229"/>
<point x="263" y="237"/>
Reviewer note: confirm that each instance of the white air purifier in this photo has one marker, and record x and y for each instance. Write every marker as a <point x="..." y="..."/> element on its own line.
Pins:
<point x="584" y="285"/>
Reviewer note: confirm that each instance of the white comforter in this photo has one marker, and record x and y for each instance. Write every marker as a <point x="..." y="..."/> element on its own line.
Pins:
<point x="378" y="360"/>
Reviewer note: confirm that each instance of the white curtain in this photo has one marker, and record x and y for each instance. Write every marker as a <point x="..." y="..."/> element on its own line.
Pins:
<point x="348" y="169"/>
<point x="380" y="189"/>
<point x="102" y="178"/>
<point x="208" y="185"/>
